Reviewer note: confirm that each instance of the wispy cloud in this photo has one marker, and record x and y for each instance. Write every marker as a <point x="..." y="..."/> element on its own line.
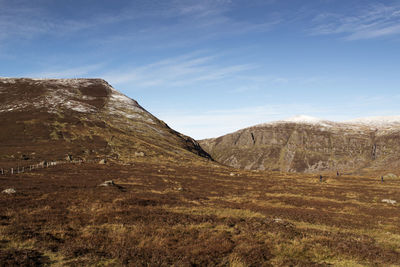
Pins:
<point x="188" y="23"/>
<point x="202" y="19"/>
<point x="372" y="21"/>
<point x="20" y="21"/>
<point x="73" y="72"/>
<point x="215" y="123"/>
<point x="179" y="71"/>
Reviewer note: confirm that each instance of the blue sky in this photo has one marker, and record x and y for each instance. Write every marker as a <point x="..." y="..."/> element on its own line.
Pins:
<point x="212" y="67"/>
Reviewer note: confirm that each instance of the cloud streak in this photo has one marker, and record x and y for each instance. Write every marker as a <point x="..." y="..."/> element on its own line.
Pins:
<point x="215" y="123"/>
<point x="177" y="72"/>
<point x="204" y="19"/>
<point x="74" y="72"/>
<point x="373" y="21"/>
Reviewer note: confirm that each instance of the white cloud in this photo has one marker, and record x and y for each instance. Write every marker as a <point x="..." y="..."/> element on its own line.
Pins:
<point x="179" y="71"/>
<point x="23" y="19"/>
<point x="74" y="72"/>
<point x="215" y="123"/>
<point x="373" y="21"/>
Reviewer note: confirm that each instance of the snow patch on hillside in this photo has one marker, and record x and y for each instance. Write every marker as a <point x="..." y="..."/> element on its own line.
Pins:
<point x="66" y="94"/>
<point x="304" y="119"/>
<point x="7" y="80"/>
<point x="377" y="121"/>
<point x="381" y="123"/>
<point x="81" y="82"/>
<point x="78" y="106"/>
<point x="63" y="99"/>
<point x="60" y="94"/>
<point x="121" y="105"/>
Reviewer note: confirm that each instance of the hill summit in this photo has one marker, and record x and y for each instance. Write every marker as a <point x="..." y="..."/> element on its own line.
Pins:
<point x="44" y="119"/>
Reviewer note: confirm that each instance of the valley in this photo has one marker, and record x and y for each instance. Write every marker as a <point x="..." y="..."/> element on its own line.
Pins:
<point x="112" y="185"/>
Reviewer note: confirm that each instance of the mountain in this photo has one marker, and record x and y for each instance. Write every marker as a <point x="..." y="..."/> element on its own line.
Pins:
<point x="48" y="119"/>
<point x="308" y="144"/>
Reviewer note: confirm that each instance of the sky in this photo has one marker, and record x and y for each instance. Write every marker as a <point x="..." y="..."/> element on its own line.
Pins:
<point x="210" y="67"/>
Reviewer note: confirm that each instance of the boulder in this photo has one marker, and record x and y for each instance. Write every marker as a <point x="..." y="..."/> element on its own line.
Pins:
<point x="390" y="175"/>
<point x="139" y="154"/>
<point x="389" y="201"/>
<point x="9" y="191"/>
<point x="103" y="161"/>
<point x="43" y="163"/>
<point x="108" y="183"/>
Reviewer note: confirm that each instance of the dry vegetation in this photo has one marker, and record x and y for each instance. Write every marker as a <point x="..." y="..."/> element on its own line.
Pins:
<point x="194" y="215"/>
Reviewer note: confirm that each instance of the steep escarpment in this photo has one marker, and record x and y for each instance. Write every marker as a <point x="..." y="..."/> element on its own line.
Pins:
<point x="309" y="146"/>
<point x="43" y="119"/>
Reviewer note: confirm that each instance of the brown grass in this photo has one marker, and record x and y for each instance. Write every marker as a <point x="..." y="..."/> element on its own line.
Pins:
<point x="194" y="215"/>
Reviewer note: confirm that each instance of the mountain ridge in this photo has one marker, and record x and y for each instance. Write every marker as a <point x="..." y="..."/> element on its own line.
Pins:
<point x="374" y="121"/>
<point x="308" y="144"/>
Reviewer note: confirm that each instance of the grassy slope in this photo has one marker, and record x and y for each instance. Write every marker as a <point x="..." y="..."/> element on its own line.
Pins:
<point x="196" y="214"/>
<point x="37" y="125"/>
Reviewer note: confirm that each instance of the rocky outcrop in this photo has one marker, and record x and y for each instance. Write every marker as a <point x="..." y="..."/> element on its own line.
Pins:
<point x="9" y="191"/>
<point x="309" y="146"/>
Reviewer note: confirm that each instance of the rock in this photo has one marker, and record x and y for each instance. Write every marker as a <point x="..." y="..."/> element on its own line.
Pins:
<point x="389" y="175"/>
<point x="103" y="161"/>
<point x="68" y="157"/>
<point x="181" y="189"/>
<point x="9" y="191"/>
<point x="43" y="163"/>
<point x="389" y="201"/>
<point x="139" y="154"/>
<point x="108" y="183"/>
<point x="231" y="174"/>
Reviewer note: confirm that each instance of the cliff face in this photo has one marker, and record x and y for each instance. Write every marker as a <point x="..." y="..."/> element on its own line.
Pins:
<point x="43" y="119"/>
<point x="309" y="147"/>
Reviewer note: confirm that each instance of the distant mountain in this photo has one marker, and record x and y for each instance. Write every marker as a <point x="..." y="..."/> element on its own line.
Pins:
<point x="308" y="144"/>
<point x="44" y="119"/>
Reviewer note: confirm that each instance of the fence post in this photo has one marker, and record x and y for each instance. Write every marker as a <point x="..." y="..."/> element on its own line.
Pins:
<point x="2" y="171"/>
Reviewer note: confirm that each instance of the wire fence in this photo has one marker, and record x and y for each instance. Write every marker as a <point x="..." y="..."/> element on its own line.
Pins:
<point x="44" y="164"/>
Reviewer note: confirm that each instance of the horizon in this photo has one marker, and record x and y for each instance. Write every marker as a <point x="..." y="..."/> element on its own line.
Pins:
<point x="208" y="68"/>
